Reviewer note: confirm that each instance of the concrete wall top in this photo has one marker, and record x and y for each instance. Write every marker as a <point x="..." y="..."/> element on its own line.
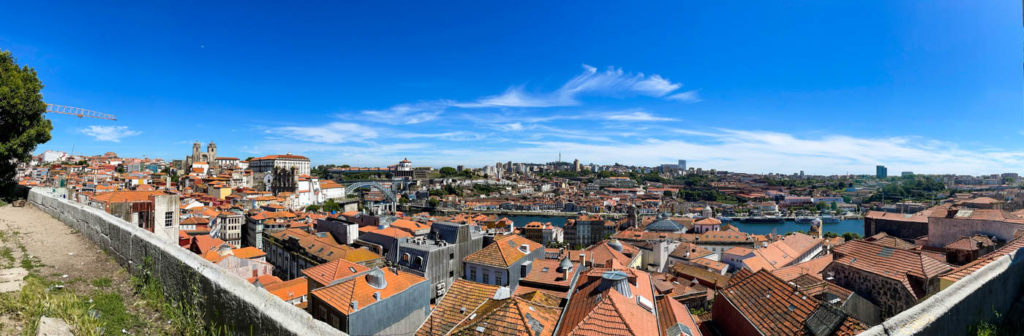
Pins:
<point x="954" y="310"/>
<point x="227" y="299"/>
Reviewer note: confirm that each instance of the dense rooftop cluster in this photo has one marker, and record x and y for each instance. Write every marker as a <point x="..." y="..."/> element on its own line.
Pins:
<point x="647" y="251"/>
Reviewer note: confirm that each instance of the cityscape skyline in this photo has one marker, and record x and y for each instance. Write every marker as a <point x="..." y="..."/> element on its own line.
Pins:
<point x="841" y="98"/>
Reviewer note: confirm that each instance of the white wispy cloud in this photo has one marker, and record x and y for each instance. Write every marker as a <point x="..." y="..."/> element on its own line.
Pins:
<point x="109" y="133"/>
<point x="335" y="132"/>
<point x="763" y="151"/>
<point x="409" y="113"/>
<point x="451" y="136"/>
<point x="611" y="82"/>
<point x="635" y="116"/>
<point x="516" y="126"/>
<point x="686" y="96"/>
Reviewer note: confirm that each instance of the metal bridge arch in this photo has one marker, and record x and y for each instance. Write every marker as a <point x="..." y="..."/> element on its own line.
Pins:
<point x="390" y="195"/>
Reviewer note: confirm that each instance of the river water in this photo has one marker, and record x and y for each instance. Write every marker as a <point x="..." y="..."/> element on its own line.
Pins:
<point x="847" y="225"/>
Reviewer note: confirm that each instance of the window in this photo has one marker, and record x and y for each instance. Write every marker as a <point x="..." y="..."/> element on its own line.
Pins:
<point x="451" y="274"/>
<point x="168" y="219"/>
<point x="497" y="279"/>
<point x="486" y="278"/>
<point x="451" y="256"/>
<point x="472" y="273"/>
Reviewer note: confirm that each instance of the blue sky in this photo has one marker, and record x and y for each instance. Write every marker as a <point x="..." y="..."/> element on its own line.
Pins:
<point x="932" y="87"/>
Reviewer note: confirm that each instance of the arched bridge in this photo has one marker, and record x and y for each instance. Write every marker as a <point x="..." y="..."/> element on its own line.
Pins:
<point x="390" y="195"/>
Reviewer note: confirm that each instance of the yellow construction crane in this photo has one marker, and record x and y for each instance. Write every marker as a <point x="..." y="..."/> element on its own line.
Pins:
<point x="78" y="112"/>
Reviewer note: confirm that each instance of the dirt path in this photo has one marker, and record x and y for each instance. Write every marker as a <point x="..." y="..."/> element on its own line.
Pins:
<point x="98" y="291"/>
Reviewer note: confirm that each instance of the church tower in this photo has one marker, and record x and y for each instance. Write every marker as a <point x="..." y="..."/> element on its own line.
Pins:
<point x="195" y="152"/>
<point x="211" y="150"/>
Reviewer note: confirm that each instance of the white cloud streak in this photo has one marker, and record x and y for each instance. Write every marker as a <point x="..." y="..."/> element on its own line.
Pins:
<point x="763" y="151"/>
<point x="335" y="132"/>
<point x="109" y="133"/>
<point x="687" y="96"/>
<point x="408" y="114"/>
<point x="611" y="82"/>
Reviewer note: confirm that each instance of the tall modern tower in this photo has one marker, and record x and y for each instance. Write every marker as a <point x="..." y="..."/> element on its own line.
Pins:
<point x="682" y="165"/>
<point x="881" y="172"/>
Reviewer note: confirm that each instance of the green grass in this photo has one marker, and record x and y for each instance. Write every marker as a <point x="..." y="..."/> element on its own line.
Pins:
<point x="39" y="297"/>
<point x="101" y="282"/>
<point x="8" y="255"/>
<point x="185" y="318"/>
<point x="30" y="263"/>
<point x="109" y="308"/>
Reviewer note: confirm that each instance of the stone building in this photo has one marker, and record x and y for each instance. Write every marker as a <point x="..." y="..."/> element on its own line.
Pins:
<point x="585" y="231"/>
<point x="891" y="278"/>
<point x="904" y="226"/>
<point x="209" y="156"/>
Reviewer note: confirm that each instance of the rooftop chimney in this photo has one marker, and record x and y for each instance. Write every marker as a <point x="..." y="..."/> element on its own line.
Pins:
<point x="355" y="305"/>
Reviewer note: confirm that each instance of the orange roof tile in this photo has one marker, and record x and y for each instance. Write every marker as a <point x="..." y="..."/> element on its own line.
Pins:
<point x="773" y="307"/>
<point x="329" y="272"/>
<point x="962" y="271"/>
<point x="504" y="252"/>
<point x="462" y="298"/>
<point x="512" y="316"/>
<point x="288" y="290"/>
<point x="358" y="290"/>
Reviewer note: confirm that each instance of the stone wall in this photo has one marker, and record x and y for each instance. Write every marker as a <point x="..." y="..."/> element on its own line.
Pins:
<point x="891" y="296"/>
<point x="942" y="231"/>
<point x="908" y="230"/>
<point x="223" y="298"/>
<point x="976" y="297"/>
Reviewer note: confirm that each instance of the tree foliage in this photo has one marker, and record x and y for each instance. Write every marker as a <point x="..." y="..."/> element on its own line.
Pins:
<point x="331" y="206"/>
<point x="448" y="172"/>
<point x="912" y="188"/>
<point x="22" y="125"/>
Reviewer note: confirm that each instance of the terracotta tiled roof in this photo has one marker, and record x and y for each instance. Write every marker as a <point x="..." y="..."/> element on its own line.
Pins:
<point x="890" y="262"/>
<point x="388" y="231"/>
<point x="284" y="156"/>
<point x="328" y="184"/>
<point x="706" y="277"/>
<point x="512" y="316"/>
<point x="960" y="272"/>
<point x="601" y="253"/>
<point x="920" y="217"/>
<point x="206" y="243"/>
<point x="504" y="252"/>
<point x="970" y="243"/>
<point x="358" y="290"/>
<point x="290" y="289"/>
<point x="708" y="221"/>
<point x="542" y="298"/>
<point x="884" y="239"/>
<point x="671" y="313"/>
<point x="690" y="251"/>
<point x="265" y="280"/>
<point x="812" y="267"/>
<point x="462" y="299"/>
<point x="325" y="247"/>
<point x="328" y="272"/>
<point x="126" y="196"/>
<point x="774" y="308"/>
<point x="816" y="287"/>
<point x="595" y="310"/>
<point x="248" y="252"/>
